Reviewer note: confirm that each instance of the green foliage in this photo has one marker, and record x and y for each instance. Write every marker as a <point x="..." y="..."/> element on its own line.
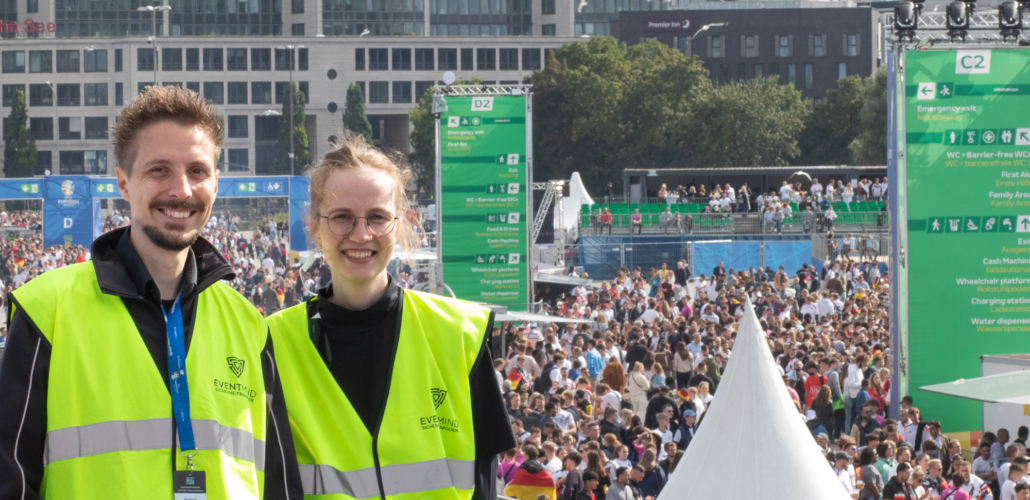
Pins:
<point x="423" y="139"/>
<point x="281" y="160"/>
<point x="870" y="147"/>
<point x="354" y="118"/>
<point x="748" y="124"/>
<point x="20" y="155"/>
<point x="833" y="125"/>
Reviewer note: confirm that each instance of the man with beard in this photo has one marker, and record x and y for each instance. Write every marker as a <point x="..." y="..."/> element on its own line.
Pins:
<point x="106" y="342"/>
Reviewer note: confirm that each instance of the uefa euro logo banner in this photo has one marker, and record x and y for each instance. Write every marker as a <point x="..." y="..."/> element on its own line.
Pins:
<point x="67" y="211"/>
<point x="253" y="187"/>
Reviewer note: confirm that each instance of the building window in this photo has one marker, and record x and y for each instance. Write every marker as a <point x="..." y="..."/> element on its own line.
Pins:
<point x="547" y="7"/>
<point x="486" y="59"/>
<point x="237" y="93"/>
<point x="282" y="60"/>
<point x="32" y="6"/>
<point x="238" y="160"/>
<point x="724" y="73"/>
<point x="194" y="86"/>
<point x="213" y="60"/>
<point x="94" y="61"/>
<point x="549" y="30"/>
<point x="359" y="59"/>
<point x="142" y="87"/>
<point x="192" y="59"/>
<point x="14" y="61"/>
<point x="717" y="45"/>
<point x="68" y="61"/>
<point x="117" y="60"/>
<point x="741" y="71"/>
<point x="237" y="125"/>
<point x="401" y="92"/>
<point x="119" y="94"/>
<point x="378" y="92"/>
<point x="758" y="70"/>
<point x="297" y="6"/>
<point x="95" y="161"/>
<point x="531" y="59"/>
<point x="96" y="94"/>
<point x="171" y="59"/>
<point x="509" y="59"/>
<point x="236" y="59"/>
<point x="378" y="59"/>
<point x="783" y="44"/>
<point x="819" y="45"/>
<point x="751" y="46"/>
<point x="302" y="87"/>
<point x="144" y="59"/>
<point x="424" y="59"/>
<point x="808" y="75"/>
<point x="401" y="59"/>
<point x="774" y="71"/>
<point x="792" y="74"/>
<point x="260" y="59"/>
<point x="842" y="70"/>
<point x="297" y="29"/>
<point x="70" y="127"/>
<point x="851" y="48"/>
<point x="447" y="59"/>
<point x="40" y="94"/>
<point x="214" y="92"/>
<point x="421" y="88"/>
<point x="302" y="59"/>
<point x="9" y="92"/>
<point x="41" y="61"/>
<point x="44" y="162"/>
<point x="261" y="92"/>
<point x="67" y="94"/>
<point x="96" y="127"/>
<point x="467" y="60"/>
<point x="42" y="129"/>
<point x="280" y="92"/>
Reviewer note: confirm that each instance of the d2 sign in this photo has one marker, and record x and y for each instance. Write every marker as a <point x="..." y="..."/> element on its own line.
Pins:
<point x="482" y="104"/>
<point x="972" y="61"/>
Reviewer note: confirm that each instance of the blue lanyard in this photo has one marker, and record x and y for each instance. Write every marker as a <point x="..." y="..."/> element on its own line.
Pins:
<point x="178" y="385"/>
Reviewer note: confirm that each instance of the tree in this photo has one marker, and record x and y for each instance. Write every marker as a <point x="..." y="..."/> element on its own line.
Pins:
<point x="747" y="123"/>
<point x="870" y="147"/>
<point x="833" y="125"/>
<point x="422" y="157"/>
<point x="281" y="160"/>
<point x="354" y="118"/>
<point x="20" y="155"/>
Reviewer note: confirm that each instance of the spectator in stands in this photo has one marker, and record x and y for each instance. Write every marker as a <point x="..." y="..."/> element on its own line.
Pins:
<point x="606" y="221"/>
<point x="666" y="219"/>
<point x="595" y="221"/>
<point x="636" y="222"/>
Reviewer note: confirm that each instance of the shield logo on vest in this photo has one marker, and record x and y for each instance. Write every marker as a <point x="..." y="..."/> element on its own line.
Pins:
<point x="438" y="396"/>
<point x="236" y="365"/>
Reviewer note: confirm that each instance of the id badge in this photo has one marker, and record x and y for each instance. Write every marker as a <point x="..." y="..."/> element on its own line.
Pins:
<point x="189" y="486"/>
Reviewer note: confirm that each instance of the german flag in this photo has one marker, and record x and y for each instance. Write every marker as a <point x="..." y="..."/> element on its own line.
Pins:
<point x="515" y="377"/>
<point x="528" y="486"/>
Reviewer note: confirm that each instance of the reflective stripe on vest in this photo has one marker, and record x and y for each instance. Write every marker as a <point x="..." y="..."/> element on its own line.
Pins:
<point x="150" y="434"/>
<point x="399" y="478"/>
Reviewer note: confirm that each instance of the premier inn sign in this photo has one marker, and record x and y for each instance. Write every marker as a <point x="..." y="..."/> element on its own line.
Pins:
<point x="666" y="24"/>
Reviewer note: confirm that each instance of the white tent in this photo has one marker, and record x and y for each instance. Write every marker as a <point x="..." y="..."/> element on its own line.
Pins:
<point x="575" y="195"/>
<point x="753" y="443"/>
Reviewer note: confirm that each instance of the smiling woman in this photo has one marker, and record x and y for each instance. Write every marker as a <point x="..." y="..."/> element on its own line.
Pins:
<point x="366" y="356"/>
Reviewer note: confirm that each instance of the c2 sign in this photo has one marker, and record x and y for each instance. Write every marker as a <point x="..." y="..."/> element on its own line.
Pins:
<point x="972" y="61"/>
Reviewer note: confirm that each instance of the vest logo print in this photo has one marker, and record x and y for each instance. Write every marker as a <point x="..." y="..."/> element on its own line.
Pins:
<point x="236" y="365"/>
<point x="438" y="396"/>
<point x="436" y="421"/>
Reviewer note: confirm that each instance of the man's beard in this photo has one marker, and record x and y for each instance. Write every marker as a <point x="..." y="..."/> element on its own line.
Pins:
<point x="168" y="242"/>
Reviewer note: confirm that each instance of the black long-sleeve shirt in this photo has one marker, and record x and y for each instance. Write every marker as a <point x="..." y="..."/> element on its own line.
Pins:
<point x="362" y="346"/>
<point x="120" y="271"/>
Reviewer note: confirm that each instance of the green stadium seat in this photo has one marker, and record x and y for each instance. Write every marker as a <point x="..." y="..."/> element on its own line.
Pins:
<point x="584" y="209"/>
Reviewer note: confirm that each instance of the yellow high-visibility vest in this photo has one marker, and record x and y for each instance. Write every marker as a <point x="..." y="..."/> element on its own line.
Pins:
<point x="425" y="447"/>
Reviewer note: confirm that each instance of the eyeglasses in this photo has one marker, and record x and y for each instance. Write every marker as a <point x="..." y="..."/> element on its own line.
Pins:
<point x="342" y="224"/>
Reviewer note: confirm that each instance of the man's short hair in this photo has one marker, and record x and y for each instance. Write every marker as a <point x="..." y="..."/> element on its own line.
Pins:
<point x="903" y="466"/>
<point x="165" y="104"/>
<point x="621" y="470"/>
<point x="574" y="456"/>
<point x="639" y="468"/>
<point x="589" y="475"/>
<point x="1022" y="487"/>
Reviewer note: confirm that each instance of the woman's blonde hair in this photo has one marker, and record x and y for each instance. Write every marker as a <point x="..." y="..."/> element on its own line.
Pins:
<point x="354" y="152"/>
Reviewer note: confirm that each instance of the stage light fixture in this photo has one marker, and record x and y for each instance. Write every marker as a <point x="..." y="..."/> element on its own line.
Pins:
<point x="906" y="19"/>
<point x="958" y="19"/>
<point x="1010" y="19"/>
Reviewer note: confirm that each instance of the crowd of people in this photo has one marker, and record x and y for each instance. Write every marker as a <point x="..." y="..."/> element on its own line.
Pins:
<point x="609" y="407"/>
<point x="724" y="198"/>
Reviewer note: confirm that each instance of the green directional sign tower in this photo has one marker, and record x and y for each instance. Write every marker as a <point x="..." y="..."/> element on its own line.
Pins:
<point x="967" y="174"/>
<point x="484" y="158"/>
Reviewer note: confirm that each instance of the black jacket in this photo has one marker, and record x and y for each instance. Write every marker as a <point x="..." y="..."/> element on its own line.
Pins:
<point x="120" y="272"/>
<point x="894" y="489"/>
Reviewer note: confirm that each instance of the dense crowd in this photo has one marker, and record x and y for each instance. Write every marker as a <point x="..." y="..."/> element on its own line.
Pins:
<point x="608" y="407"/>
